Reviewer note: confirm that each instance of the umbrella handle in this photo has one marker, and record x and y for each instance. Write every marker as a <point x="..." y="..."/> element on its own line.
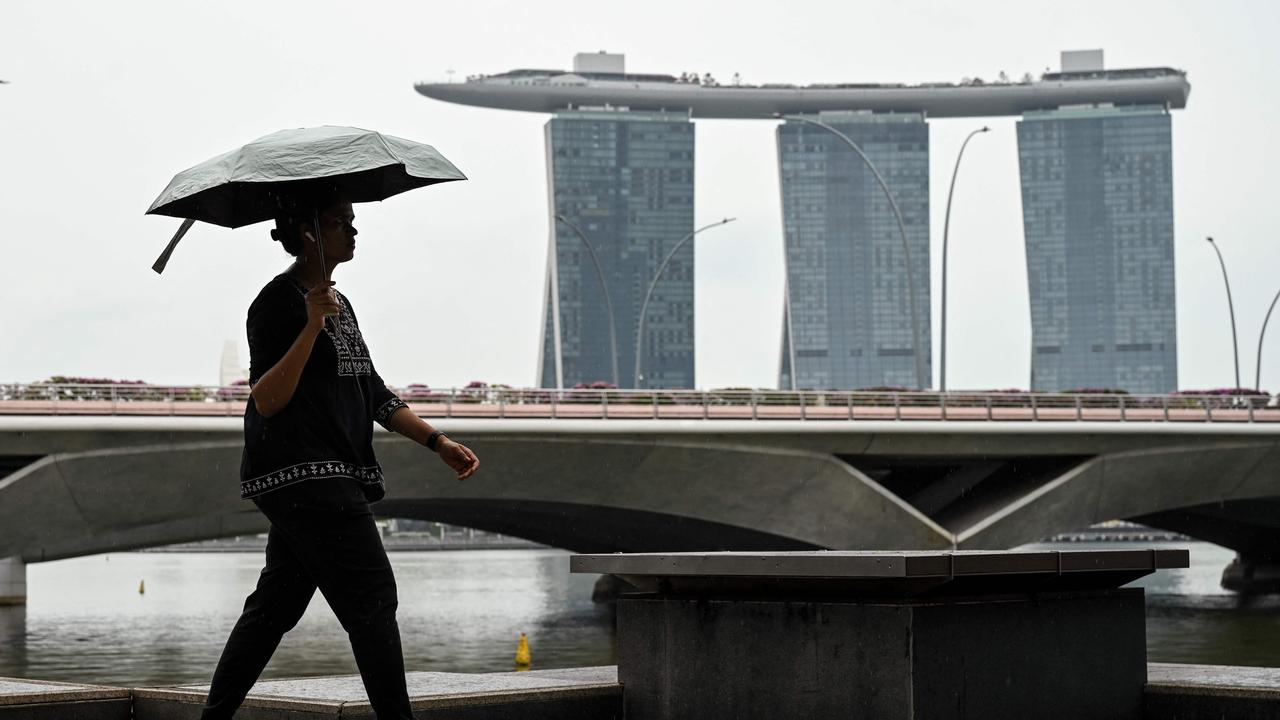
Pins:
<point x="318" y="239"/>
<point x="163" y="260"/>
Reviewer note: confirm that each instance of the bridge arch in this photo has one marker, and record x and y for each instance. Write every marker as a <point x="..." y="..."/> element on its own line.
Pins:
<point x="104" y="484"/>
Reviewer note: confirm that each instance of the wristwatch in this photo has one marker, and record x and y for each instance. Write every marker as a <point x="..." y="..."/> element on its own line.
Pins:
<point x="434" y="439"/>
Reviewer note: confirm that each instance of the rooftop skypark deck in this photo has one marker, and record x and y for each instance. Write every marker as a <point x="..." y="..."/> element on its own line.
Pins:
<point x="535" y="90"/>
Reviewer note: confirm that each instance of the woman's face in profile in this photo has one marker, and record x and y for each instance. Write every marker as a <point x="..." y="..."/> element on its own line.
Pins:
<point x="338" y="233"/>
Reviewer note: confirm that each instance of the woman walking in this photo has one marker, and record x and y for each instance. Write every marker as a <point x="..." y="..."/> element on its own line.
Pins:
<point x="309" y="465"/>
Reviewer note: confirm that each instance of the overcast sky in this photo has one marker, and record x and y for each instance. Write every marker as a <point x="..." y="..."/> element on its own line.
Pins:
<point x="107" y="101"/>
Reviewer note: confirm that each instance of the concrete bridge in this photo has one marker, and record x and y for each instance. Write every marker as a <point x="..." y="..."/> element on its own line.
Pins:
<point x="991" y="475"/>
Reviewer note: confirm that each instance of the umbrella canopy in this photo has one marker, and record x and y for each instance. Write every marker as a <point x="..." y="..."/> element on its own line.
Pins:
<point x="248" y="185"/>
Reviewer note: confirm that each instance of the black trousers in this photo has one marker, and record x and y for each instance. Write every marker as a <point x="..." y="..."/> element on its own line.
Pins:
<point x="322" y="536"/>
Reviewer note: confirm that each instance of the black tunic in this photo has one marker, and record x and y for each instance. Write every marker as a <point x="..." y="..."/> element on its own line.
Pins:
<point x="326" y="430"/>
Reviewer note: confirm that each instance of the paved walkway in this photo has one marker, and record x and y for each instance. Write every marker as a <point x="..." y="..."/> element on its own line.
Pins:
<point x="1221" y="679"/>
<point x="591" y="692"/>
<point x="37" y="699"/>
<point x="1185" y="692"/>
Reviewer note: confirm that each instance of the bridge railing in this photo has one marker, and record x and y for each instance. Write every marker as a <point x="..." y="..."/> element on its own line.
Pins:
<point x="740" y="404"/>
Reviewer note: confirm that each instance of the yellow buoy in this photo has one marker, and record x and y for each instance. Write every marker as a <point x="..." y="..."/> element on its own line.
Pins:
<point x="522" y="652"/>
<point x="142" y="587"/>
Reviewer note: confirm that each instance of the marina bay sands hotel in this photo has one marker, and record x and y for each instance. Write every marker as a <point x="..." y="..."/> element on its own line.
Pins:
<point x="1094" y="158"/>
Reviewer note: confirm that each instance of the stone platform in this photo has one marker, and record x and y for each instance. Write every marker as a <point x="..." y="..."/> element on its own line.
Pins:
<point x="945" y="635"/>
<point x="586" y="693"/>
<point x="40" y="700"/>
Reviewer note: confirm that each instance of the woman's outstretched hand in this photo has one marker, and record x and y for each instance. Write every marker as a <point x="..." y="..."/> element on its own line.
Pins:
<point x="459" y="457"/>
<point x="454" y="454"/>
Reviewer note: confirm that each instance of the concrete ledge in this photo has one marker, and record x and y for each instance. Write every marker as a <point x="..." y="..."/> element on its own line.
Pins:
<point x="587" y="693"/>
<point x="882" y="573"/>
<point x="1211" y="692"/>
<point x="40" y="700"/>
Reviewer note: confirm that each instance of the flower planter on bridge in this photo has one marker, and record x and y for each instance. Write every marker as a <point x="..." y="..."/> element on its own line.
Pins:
<point x="498" y="401"/>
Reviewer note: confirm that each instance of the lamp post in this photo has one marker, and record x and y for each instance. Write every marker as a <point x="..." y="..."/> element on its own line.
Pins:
<point x="921" y="383"/>
<point x="1257" y="381"/>
<point x="946" y="227"/>
<point x="1235" y="344"/>
<point x="654" y="283"/>
<point x="604" y="288"/>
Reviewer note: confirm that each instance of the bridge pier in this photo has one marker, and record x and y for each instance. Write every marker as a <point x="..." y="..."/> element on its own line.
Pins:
<point x="1252" y="574"/>
<point x="13" y="581"/>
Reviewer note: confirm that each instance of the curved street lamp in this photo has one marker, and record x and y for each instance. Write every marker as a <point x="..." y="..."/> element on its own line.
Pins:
<point x="1235" y="344"/>
<point x="649" y="293"/>
<point x="946" y="226"/>
<point x="604" y="288"/>
<point x="921" y="383"/>
<point x="1257" y="381"/>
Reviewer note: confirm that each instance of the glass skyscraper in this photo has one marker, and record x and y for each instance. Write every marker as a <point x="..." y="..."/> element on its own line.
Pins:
<point x="847" y="320"/>
<point x="626" y="180"/>
<point x="1097" y="207"/>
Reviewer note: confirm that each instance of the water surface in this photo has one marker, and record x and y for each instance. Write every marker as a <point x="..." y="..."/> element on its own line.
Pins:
<point x="85" y="620"/>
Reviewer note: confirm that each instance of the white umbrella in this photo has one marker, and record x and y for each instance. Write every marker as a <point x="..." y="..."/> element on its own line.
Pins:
<point x="255" y="182"/>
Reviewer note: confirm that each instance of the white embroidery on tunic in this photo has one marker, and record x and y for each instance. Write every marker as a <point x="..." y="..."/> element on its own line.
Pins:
<point x="353" y="354"/>
<point x="348" y="344"/>
<point x="365" y="474"/>
<point x="388" y="408"/>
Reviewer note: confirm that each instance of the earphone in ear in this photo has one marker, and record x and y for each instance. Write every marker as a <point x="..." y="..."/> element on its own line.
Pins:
<point x="310" y="237"/>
